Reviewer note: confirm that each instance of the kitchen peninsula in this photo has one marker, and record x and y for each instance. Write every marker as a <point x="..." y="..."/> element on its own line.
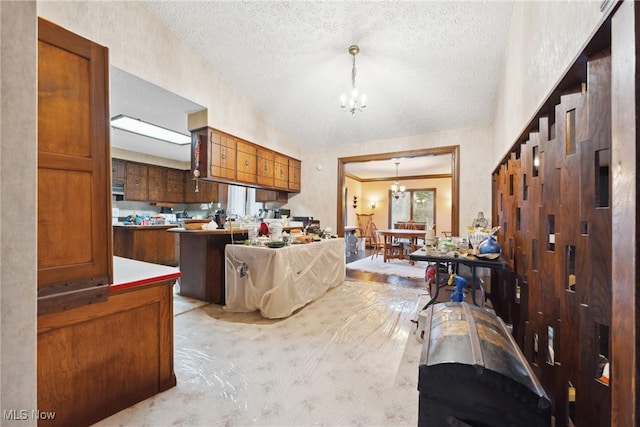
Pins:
<point x="148" y="243"/>
<point x="202" y="261"/>
<point x="98" y="359"/>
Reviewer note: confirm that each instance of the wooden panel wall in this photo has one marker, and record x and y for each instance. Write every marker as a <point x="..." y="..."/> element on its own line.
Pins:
<point x="552" y="200"/>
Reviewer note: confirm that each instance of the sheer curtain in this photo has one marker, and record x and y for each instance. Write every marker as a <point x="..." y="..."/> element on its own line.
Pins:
<point x="242" y="201"/>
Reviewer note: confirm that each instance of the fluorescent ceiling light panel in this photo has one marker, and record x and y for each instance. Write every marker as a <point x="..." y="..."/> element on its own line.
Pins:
<point x="143" y="128"/>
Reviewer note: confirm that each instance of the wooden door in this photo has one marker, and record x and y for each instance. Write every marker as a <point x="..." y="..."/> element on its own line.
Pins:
<point x="118" y="171"/>
<point x="175" y="186"/>
<point x="294" y="175"/>
<point x="157" y="183"/>
<point x="265" y="167"/>
<point x="246" y="162"/>
<point x="137" y="186"/>
<point x="281" y="172"/>
<point x="74" y="190"/>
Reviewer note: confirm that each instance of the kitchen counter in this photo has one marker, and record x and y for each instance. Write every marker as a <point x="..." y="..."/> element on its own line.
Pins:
<point x="202" y="261"/>
<point x="101" y="358"/>
<point x="128" y="273"/>
<point x="148" y="243"/>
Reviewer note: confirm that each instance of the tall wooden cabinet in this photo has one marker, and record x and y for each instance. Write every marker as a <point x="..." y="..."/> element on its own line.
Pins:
<point x="74" y="195"/>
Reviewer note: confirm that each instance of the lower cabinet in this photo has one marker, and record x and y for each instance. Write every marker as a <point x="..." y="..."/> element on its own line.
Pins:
<point x="148" y="243"/>
<point x="99" y="359"/>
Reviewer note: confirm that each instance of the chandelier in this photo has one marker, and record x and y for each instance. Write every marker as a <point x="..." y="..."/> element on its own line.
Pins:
<point x="354" y="104"/>
<point x="397" y="191"/>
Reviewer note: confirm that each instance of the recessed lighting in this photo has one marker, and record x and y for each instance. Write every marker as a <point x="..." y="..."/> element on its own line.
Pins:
<point x="150" y="130"/>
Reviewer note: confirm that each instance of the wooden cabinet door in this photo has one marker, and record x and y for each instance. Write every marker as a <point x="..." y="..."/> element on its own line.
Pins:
<point x="175" y="186"/>
<point x="294" y="175"/>
<point x="265" y="167"/>
<point x="75" y="263"/>
<point x="157" y="183"/>
<point x="246" y="162"/>
<point x="118" y="171"/>
<point x="137" y="185"/>
<point x="271" y="196"/>
<point x="222" y="162"/>
<point x="281" y="172"/>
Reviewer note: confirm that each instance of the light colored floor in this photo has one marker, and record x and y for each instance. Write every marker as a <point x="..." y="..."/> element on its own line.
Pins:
<point x="347" y="359"/>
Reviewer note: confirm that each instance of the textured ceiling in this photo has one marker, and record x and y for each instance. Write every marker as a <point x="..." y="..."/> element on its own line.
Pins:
<point x="424" y="66"/>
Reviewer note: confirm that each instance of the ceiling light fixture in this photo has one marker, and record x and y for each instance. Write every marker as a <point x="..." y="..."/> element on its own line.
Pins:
<point x="397" y="190"/>
<point x="143" y="128"/>
<point x="354" y="103"/>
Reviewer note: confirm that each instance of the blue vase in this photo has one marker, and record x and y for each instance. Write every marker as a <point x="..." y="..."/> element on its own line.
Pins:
<point x="490" y="246"/>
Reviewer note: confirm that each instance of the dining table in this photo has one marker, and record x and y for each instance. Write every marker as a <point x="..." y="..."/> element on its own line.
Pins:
<point x="395" y="240"/>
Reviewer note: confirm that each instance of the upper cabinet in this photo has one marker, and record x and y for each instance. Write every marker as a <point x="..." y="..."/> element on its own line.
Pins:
<point x="118" y="171"/>
<point x="246" y="162"/>
<point x="220" y="157"/>
<point x="281" y="172"/>
<point x="137" y="182"/>
<point x="157" y="183"/>
<point x="75" y="265"/>
<point x="223" y="154"/>
<point x="294" y="175"/>
<point x="265" y="167"/>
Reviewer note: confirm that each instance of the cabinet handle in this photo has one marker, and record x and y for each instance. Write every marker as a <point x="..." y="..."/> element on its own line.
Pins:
<point x="246" y="162"/>
<point x="224" y="154"/>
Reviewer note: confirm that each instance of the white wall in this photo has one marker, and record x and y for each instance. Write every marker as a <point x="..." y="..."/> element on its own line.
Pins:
<point x="544" y="40"/>
<point x="18" y="212"/>
<point x="139" y="44"/>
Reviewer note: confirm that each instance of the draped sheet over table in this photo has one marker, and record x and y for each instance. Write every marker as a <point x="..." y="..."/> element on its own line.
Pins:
<point x="279" y="281"/>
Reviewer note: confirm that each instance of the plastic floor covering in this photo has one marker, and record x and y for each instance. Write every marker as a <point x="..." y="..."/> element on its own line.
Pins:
<point x="347" y="359"/>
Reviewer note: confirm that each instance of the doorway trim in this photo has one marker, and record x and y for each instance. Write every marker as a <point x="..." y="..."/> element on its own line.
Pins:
<point x="453" y="150"/>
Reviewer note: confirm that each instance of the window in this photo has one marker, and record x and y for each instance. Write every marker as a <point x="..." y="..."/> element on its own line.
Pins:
<point x="418" y="205"/>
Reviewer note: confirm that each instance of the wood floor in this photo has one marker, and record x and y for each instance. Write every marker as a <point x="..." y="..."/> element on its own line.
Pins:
<point x="377" y="277"/>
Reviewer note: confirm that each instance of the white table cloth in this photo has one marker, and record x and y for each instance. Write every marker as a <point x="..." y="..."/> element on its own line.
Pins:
<point x="279" y="281"/>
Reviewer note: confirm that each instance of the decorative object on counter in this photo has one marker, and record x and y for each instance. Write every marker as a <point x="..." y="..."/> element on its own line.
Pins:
<point x="263" y="229"/>
<point x="355" y="104"/>
<point x="480" y="221"/>
<point x="397" y="190"/>
<point x="489" y="248"/>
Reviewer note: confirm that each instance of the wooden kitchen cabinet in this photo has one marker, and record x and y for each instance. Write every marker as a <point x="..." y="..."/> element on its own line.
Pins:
<point x="281" y="172"/>
<point x="271" y="196"/>
<point x="157" y="183"/>
<point x="136" y="187"/>
<point x="246" y="162"/>
<point x="294" y="175"/>
<point x="118" y="171"/>
<point x="266" y="167"/>
<point x="207" y="190"/>
<point x="222" y="157"/>
<point x="175" y="192"/>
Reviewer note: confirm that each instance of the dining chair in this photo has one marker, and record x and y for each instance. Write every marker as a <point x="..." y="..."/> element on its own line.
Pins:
<point x="377" y="241"/>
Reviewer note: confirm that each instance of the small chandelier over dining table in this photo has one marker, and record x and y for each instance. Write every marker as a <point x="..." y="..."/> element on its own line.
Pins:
<point x="354" y="104"/>
<point x="397" y="190"/>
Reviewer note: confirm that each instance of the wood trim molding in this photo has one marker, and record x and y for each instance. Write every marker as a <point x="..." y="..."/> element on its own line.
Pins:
<point x="453" y="150"/>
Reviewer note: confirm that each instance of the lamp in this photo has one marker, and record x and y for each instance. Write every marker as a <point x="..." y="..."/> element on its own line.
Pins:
<point x="354" y="104"/>
<point x="373" y="204"/>
<point x="143" y="128"/>
<point x="397" y="190"/>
